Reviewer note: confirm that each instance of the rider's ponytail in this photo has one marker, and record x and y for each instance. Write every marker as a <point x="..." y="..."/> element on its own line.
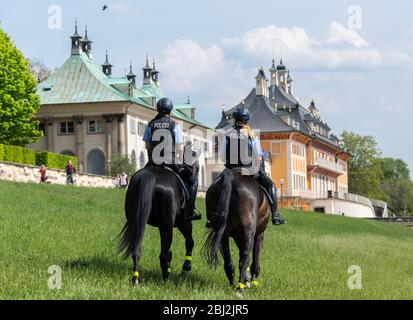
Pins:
<point x="246" y="129"/>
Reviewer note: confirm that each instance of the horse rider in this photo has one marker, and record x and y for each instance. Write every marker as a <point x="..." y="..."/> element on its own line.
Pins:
<point x="164" y="142"/>
<point x="242" y="149"/>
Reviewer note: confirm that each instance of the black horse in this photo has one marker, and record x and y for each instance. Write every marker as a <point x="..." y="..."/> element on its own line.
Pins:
<point x="155" y="197"/>
<point x="236" y="207"/>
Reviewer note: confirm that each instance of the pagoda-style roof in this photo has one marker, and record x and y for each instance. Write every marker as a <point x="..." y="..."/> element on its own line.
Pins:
<point x="80" y="80"/>
<point x="281" y="112"/>
<point x="281" y="98"/>
<point x="263" y="115"/>
<point x="156" y="92"/>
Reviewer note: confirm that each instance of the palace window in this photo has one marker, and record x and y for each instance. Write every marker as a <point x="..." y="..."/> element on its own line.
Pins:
<point x="141" y="129"/>
<point x="67" y="127"/>
<point x="275" y="148"/>
<point x="96" y="126"/>
<point x="132" y="126"/>
<point x="297" y="150"/>
<point x="41" y="127"/>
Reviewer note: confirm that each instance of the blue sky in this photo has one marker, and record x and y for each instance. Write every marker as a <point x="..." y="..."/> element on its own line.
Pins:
<point x="356" y="62"/>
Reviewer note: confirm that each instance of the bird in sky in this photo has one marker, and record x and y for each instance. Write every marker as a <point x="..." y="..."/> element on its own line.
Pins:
<point x="105" y="7"/>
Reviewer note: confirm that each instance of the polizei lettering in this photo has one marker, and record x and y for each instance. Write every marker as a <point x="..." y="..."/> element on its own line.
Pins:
<point x="174" y="310"/>
<point x="161" y="125"/>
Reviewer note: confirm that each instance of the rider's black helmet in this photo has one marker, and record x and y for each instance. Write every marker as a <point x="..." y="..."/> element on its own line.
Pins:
<point x="241" y="114"/>
<point x="164" y="106"/>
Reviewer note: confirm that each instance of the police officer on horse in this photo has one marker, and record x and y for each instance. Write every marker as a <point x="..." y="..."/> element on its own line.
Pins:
<point x="241" y="149"/>
<point x="164" y="142"/>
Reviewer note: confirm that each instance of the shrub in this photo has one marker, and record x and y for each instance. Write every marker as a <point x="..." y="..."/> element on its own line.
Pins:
<point x="122" y="163"/>
<point x="17" y="154"/>
<point x="54" y="160"/>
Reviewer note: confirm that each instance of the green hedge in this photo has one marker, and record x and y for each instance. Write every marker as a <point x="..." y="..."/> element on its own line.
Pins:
<point x="27" y="156"/>
<point x="54" y="160"/>
<point x="17" y="154"/>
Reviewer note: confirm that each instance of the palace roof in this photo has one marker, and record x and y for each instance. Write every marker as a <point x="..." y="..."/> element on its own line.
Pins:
<point x="80" y="80"/>
<point x="282" y="112"/>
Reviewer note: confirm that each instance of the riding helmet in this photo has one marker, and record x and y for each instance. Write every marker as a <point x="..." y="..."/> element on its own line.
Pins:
<point x="164" y="106"/>
<point x="241" y="114"/>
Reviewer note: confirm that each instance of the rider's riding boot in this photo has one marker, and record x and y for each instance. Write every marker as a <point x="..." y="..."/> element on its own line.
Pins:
<point x="276" y="217"/>
<point x="196" y="215"/>
<point x="192" y="212"/>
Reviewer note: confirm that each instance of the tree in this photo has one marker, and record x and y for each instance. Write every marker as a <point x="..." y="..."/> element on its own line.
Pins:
<point x="365" y="174"/>
<point x="397" y="185"/>
<point x="18" y="99"/>
<point x="122" y="163"/>
<point x="394" y="169"/>
<point x="39" y="70"/>
<point x="400" y="196"/>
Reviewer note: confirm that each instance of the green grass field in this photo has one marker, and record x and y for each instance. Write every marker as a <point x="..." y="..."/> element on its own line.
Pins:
<point x="77" y="228"/>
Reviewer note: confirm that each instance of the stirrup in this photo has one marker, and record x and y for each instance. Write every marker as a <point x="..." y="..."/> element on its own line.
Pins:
<point x="196" y="215"/>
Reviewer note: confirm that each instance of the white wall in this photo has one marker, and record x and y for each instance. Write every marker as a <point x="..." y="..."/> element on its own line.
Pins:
<point x="349" y="208"/>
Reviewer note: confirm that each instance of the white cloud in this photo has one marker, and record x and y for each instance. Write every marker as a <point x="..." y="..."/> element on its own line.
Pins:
<point x="339" y="34"/>
<point x="191" y="69"/>
<point x="270" y="40"/>
<point x="186" y="63"/>
<point x="304" y="51"/>
<point x="223" y="73"/>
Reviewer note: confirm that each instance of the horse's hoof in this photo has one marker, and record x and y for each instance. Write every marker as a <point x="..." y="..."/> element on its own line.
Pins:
<point x="183" y="274"/>
<point x="239" y="292"/>
<point x="248" y="285"/>
<point x="135" y="282"/>
<point x="240" y="289"/>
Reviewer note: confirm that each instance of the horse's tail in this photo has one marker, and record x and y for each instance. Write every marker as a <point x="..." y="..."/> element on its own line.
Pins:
<point x="219" y="220"/>
<point x="138" y="206"/>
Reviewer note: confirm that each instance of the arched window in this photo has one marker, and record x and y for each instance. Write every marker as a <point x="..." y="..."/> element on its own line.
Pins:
<point x="133" y="160"/>
<point x="96" y="162"/>
<point x="141" y="160"/>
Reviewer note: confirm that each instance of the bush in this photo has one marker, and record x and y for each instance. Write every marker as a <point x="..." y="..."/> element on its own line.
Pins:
<point x="54" y="160"/>
<point x="122" y="163"/>
<point x="17" y="154"/>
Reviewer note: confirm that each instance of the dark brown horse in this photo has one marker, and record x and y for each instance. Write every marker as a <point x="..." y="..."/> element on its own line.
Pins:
<point x="238" y="208"/>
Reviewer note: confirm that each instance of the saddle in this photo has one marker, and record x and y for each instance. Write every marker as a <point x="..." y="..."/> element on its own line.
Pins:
<point x="182" y="182"/>
<point x="243" y="171"/>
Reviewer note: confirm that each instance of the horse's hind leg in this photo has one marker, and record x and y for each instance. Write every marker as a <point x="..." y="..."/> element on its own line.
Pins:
<point x="135" y="277"/>
<point x="244" y="244"/>
<point x="255" y="267"/>
<point x="186" y="230"/>
<point x="226" y="254"/>
<point x="165" y="257"/>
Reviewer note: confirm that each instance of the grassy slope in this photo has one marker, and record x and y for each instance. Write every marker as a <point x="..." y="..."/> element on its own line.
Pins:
<point x="77" y="229"/>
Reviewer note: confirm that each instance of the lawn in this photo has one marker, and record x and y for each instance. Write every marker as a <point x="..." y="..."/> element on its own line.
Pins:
<point x="77" y="228"/>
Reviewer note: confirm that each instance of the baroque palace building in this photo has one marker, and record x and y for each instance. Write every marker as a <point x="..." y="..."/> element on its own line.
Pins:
<point x="89" y="113"/>
<point x="306" y="160"/>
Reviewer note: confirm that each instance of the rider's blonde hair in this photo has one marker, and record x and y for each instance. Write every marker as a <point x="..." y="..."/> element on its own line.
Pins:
<point x="246" y="129"/>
